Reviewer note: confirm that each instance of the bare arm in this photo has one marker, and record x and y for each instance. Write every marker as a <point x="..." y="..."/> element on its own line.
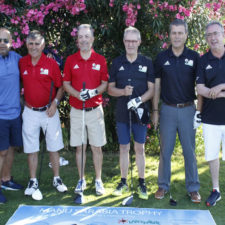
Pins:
<point x="199" y="103"/>
<point x="117" y="92"/>
<point x="149" y="93"/>
<point x="155" y="103"/>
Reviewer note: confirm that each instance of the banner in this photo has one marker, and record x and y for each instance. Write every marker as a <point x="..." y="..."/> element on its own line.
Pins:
<point x="78" y="215"/>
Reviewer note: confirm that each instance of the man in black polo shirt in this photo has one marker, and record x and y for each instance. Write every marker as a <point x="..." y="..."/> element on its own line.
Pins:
<point x="211" y="85"/>
<point x="132" y="82"/>
<point x="175" y="70"/>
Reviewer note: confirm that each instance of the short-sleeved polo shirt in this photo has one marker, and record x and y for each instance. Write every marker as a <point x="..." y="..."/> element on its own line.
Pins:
<point x="10" y="86"/>
<point x="91" y="71"/>
<point x="177" y="75"/>
<point x="211" y="72"/>
<point x="140" y="72"/>
<point x="37" y="79"/>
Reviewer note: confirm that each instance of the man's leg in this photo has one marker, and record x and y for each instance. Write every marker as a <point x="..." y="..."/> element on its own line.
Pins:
<point x="124" y="160"/>
<point x="214" y="166"/>
<point x="140" y="159"/>
<point x="7" y="166"/>
<point x="54" y="159"/>
<point x="2" y="159"/>
<point x="97" y="159"/>
<point x="33" y="163"/>
<point x="79" y="160"/>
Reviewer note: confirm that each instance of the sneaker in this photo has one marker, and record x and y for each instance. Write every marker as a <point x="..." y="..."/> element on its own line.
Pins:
<point x="2" y="198"/>
<point x="78" y="188"/>
<point x="121" y="189"/>
<point x="99" y="188"/>
<point x="59" y="185"/>
<point x="160" y="193"/>
<point x="142" y="192"/>
<point x="213" y="198"/>
<point x="195" y="196"/>
<point x="11" y="185"/>
<point x="31" y="187"/>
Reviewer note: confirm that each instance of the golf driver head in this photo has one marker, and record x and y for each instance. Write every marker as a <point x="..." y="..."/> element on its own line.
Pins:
<point x="128" y="200"/>
<point x="37" y="195"/>
<point x="79" y="198"/>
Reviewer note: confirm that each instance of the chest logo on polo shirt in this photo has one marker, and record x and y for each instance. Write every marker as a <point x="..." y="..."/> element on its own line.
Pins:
<point x="25" y="72"/>
<point x="188" y="62"/>
<point x="76" y="67"/>
<point x="44" y="71"/>
<point x="121" y="68"/>
<point x="142" y="68"/>
<point x="96" y="66"/>
<point x="208" y="67"/>
<point x="167" y="63"/>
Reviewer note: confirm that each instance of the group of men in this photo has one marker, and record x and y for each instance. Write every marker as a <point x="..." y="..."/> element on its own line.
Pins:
<point x="134" y="81"/>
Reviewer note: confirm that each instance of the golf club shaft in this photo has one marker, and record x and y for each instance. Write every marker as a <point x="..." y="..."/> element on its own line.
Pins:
<point x="82" y="147"/>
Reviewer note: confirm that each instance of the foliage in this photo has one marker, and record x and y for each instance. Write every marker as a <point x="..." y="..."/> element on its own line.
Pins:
<point x="58" y="21"/>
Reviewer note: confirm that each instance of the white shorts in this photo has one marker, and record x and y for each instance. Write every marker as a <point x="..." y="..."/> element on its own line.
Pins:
<point x="94" y="127"/>
<point x="33" y="121"/>
<point x="213" y="136"/>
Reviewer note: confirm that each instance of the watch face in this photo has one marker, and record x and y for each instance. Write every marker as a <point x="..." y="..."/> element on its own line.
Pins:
<point x="137" y="100"/>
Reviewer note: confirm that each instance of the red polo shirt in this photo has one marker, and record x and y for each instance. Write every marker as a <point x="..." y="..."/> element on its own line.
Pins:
<point x="91" y="71"/>
<point x="37" y="79"/>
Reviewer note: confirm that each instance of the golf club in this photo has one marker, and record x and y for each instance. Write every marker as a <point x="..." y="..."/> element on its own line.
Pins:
<point x="79" y="198"/>
<point x="172" y="201"/>
<point x="37" y="195"/>
<point x="129" y="200"/>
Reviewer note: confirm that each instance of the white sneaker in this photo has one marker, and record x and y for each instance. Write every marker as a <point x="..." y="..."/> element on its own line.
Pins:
<point x="31" y="187"/>
<point x="59" y="185"/>
<point x="100" y="190"/>
<point x="81" y="183"/>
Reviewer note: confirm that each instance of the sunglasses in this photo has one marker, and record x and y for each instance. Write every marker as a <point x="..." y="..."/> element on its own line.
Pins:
<point x="4" y="40"/>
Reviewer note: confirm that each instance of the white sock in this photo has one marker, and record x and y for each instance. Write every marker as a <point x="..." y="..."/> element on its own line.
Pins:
<point x="56" y="177"/>
<point x="34" y="179"/>
<point x="98" y="180"/>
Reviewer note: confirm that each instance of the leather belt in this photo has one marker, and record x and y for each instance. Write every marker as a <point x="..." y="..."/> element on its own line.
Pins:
<point x="40" y="109"/>
<point x="180" y="105"/>
<point x="90" y="108"/>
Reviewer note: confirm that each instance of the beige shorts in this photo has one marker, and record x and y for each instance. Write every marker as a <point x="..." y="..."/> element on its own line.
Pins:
<point x="94" y="127"/>
<point x="32" y="123"/>
<point x="214" y="135"/>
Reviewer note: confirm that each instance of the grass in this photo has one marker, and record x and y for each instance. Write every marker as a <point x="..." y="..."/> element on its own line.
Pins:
<point x="111" y="176"/>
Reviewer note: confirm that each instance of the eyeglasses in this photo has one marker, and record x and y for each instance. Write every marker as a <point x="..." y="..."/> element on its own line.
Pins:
<point x="131" y="41"/>
<point x="216" y="33"/>
<point x="4" y="40"/>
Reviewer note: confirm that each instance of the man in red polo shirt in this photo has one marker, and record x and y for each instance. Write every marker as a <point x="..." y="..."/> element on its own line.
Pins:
<point x="38" y="72"/>
<point x="86" y="66"/>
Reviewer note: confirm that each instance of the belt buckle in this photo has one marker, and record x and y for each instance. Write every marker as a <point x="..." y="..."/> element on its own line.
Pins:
<point x="180" y="105"/>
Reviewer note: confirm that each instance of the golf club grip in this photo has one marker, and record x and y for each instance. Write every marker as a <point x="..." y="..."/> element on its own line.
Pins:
<point x="84" y="84"/>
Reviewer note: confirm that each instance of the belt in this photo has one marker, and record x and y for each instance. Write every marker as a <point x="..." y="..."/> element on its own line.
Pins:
<point x="40" y="109"/>
<point x="180" y="105"/>
<point x="90" y="108"/>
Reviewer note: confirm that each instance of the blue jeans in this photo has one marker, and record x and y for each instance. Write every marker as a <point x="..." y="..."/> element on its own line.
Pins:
<point x="172" y="121"/>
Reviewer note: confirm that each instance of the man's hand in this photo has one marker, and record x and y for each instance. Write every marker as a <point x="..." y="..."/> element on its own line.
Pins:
<point x="214" y="92"/>
<point x="87" y="94"/>
<point x="134" y="103"/>
<point x="51" y="109"/>
<point x="128" y="90"/>
<point x="155" y="118"/>
<point x="197" y="120"/>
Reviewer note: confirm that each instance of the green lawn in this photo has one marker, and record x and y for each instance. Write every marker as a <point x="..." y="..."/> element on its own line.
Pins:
<point x="111" y="176"/>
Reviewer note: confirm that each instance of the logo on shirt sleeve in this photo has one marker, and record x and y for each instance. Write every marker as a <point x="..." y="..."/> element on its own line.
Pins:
<point x="44" y="71"/>
<point x="167" y="63"/>
<point x="208" y="67"/>
<point x="25" y="72"/>
<point x="76" y="67"/>
<point x="188" y="62"/>
<point x="142" y="68"/>
<point x="96" y="66"/>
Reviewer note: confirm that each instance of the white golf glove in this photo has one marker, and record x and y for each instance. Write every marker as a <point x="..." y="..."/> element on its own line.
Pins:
<point x="197" y="120"/>
<point x="134" y="103"/>
<point x="87" y="94"/>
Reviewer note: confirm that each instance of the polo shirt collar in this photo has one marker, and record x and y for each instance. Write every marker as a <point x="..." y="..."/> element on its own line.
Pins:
<point x="212" y="57"/>
<point x="91" y="58"/>
<point x="41" y="61"/>
<point x="184" y="53"/>
<point x="138" y="59"/>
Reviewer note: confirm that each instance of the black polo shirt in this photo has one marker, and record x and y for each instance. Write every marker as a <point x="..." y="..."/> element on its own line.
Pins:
<point x="140" y="72"/>
<point x="177" y="75"/>
<point x="211" y="72"/>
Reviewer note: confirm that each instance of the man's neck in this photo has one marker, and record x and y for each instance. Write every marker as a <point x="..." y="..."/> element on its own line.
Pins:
<point x="131" y="58"/>
<point x="178" y="51"/>
<point x="218" y="52"/>
<point x="85" y="54"/>
<point x="35" y="60"/>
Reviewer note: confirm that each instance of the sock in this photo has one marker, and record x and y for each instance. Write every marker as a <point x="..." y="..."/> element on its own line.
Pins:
<point x="98" y="180"/>
<point x="34" y="179"/>
<point x="57" y="177"/>
<point x="141" y="181"/>
<point x="124" y="180"/>
<point x="217" y="188"/>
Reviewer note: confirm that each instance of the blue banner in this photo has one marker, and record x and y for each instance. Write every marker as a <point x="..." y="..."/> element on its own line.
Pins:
<point x="78" y="215"/>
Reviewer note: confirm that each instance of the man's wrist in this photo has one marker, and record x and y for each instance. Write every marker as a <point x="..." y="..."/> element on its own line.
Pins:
<point x="56" y="101"/>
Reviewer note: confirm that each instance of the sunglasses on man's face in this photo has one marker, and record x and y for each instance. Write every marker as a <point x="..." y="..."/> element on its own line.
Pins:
<point x="4" y="40"/>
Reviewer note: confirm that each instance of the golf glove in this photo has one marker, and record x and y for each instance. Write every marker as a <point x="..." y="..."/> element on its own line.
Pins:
<point x="87" y="94"/>
<point x="134" y="103"/>
<point x="197" y="120"/>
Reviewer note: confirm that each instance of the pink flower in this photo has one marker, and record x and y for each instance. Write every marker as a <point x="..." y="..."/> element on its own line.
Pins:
<point x="164" y="45"/>
<point x="151" y="2"/>
<point x="149" y="126"/>
<point x="196" y="46"/>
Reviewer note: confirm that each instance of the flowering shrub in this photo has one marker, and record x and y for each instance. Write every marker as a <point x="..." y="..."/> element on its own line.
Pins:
<point x="58" y="21"/>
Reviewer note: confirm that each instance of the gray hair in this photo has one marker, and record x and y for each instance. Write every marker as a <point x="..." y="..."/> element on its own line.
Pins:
<point x="86" y="26"/>
<point x="132" y="30"/>
<point x="179" y="22"/>
<point x="214" y="22"/>
<point x="34" y="35"/>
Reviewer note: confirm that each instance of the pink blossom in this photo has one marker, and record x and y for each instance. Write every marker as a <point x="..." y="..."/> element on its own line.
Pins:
<point x="149" y="126"/>
<point x="74" y="32"/>
<point x="196" y="46"/>
<point x="164" y="45"/>
<point x="151" y="2"/>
